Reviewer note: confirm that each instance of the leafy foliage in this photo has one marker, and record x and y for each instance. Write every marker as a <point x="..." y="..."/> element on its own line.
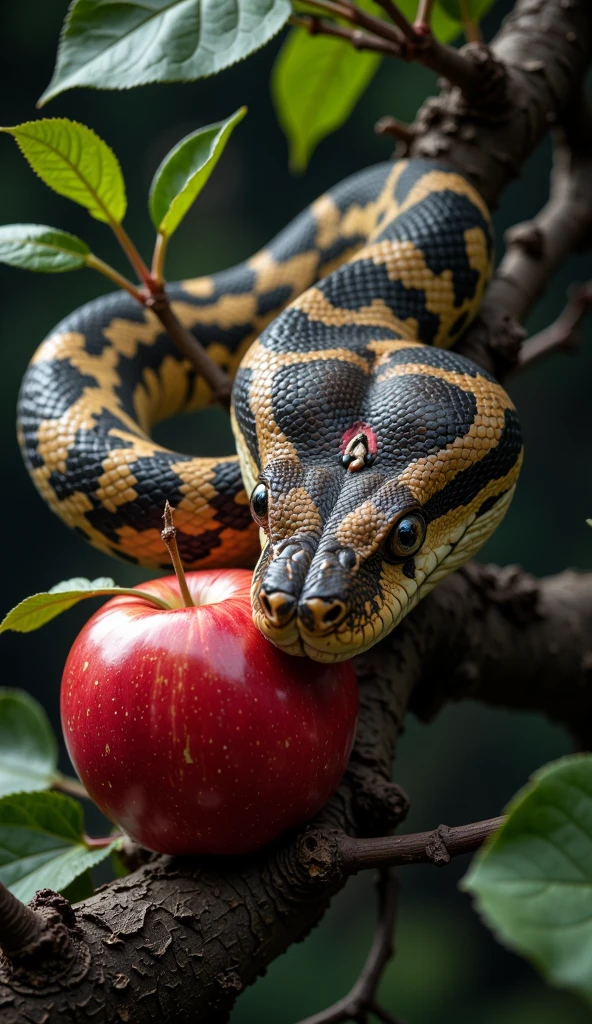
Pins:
<point x="74" y="162"/>
<point x="185" y="170"/>
<point x="119" y="45"/>
<point x="28" y="748"/>
<point x="37" y="247"/>
<point x="38" y="609"/>
<point x="317" y="80"/>
<point x="533" y="882"/>
<point x="315" y="85"/>
<point x="42" y="843"/>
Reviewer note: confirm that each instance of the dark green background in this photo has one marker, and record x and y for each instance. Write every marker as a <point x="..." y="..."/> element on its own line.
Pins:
<point x="470" y="762"/>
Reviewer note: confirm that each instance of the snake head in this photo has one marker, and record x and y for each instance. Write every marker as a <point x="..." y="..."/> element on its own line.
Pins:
<point x="347" y="554"/>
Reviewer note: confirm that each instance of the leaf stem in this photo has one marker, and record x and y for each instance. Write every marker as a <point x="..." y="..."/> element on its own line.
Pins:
<point x="169" y="536"/>
<point x="424" y="15"/>
<point x="472" y="31"/>
<point x="95" y="263"/>
<point x="158" y="261"/>
<point x="71" y="786"/>
<point x="132" y="254"/>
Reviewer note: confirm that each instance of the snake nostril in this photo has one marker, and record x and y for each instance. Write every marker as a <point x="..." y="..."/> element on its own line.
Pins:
<point x="320" y="614"/>
<point x="278" y="607"/>
<point x="333" y="614"/>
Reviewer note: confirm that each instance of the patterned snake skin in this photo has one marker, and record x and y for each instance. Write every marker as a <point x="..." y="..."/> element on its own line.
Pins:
<point x="376" y="460"/>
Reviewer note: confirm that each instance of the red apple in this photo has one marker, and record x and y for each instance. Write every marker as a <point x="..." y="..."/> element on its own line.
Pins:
<point x="191" y="730"/>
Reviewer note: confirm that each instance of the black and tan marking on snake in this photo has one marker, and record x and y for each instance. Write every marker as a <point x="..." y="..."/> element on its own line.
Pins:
<point x="377" y="460"/>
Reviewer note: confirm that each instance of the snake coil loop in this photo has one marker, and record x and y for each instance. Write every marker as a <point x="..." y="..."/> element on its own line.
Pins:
<point x="376" y="460"/>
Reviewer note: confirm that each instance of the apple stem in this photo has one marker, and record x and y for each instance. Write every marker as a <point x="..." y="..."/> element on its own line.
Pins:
<point x="100" y="842"/>
<point x="169" y="536"/>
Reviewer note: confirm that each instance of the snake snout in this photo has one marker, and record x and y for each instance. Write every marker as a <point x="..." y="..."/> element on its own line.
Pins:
<point x="322" y="614"/>
<point x="278" y="607"/>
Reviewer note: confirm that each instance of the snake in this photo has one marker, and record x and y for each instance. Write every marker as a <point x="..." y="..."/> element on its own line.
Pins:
<point x="372" y="459"/>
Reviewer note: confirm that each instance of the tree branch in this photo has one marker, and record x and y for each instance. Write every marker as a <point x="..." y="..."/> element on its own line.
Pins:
<point x="403" y="40"/>
<point x="182" y="938"/>
<point x="217" y="378"/>
<point x="362" y="997"/>
<point x="563" y="334"/>
<point x="436" y="847"/>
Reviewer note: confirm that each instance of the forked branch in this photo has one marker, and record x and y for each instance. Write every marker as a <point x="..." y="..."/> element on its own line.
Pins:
<point x="401" y="39"/>
<point x="361" y="1000"/>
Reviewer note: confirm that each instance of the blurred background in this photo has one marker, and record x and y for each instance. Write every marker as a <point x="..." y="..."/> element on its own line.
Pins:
<point x="468" y="763"/>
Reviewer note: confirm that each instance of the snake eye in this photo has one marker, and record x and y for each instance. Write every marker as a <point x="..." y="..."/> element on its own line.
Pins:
<point x="405" y="538"/>
<point x="259" y="505"/>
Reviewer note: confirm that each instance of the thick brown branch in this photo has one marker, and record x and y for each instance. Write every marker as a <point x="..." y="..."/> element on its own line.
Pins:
<point x="436" y="847"/>
<point x="542" y="51"/>
<point x="534" y="250"/>
<point x="164" y="941"/>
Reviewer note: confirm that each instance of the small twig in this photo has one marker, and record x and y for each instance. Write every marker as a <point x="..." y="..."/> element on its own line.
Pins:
<point x="94" y="263"/>
<point x="169" y="536"/>
<point x="361" y="999"/>
<point x="19" y="925"/>
<point x="381" y="37"/>
<point x="471" y="27"/>
<point x="132" y="253"/>
<point x="423" y="18"/>
<point x="71" y="786"/>
<point x="158" y="258"/>
<point x="399" y="19"/>
<point x="397" y="129"/>
<point x="349" y="11"/>
<point x="562" y="335"/>
<point x="359" y="40"/>
<point x="214" y="375"/>
<point x="436" y="847"/>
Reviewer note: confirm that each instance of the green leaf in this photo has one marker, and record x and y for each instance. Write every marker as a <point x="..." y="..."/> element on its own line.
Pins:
<point x="42" y="843"/>
<point x="74" y="162"/>
<point x="28" y="747"/>
<point x="316" y="82"/>
<point x="533" y="882"/>
<point x="38" y="609"/>
<point x="119" y="44"/>
<point x="185" y="170"/>
<point x="82" y="888"/>
<point x="37" y="247"/>
<point x="460" y="9"/>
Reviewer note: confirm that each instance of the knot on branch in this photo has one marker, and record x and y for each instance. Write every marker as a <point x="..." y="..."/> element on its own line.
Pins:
<point x="56" y="957"/>
<point x="319" y="854"/>
<point x="494" y="341"/>
<point x="528" y="237"/>
<point x="515" y="592"/>
<point x="436" y="849"/>
<point x="380" y="804"/>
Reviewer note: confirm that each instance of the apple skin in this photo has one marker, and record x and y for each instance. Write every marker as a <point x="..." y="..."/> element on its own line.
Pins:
<point x="192" y="731"/>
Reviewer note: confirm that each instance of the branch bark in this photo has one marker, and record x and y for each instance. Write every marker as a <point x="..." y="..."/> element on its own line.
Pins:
<point x="542" y="52"/>
<point x="182" y="938"/>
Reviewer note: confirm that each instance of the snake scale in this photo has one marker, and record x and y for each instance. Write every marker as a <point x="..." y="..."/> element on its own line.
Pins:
<point x="372" y="460"/>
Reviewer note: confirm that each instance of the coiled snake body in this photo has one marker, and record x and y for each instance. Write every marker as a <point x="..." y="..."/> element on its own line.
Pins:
<point x="376" y="460"/>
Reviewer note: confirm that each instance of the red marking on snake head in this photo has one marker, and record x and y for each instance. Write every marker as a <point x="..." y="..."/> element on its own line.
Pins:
<point x="360" y="428"/>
